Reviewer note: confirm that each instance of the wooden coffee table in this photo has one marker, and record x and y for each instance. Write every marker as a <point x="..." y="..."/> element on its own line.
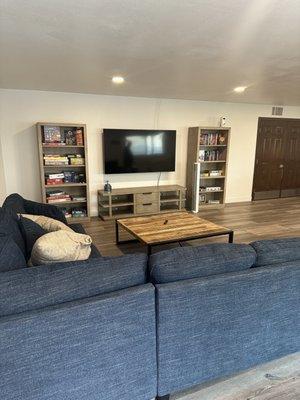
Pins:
<point x="153" y="230"/>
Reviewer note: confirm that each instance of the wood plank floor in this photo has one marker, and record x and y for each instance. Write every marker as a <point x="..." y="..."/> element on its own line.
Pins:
<point x="276" y="380"/>
<point x="265" y="219"/>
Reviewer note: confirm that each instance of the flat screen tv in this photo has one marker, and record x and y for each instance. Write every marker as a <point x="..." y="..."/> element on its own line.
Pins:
<point x="136" y="150"/>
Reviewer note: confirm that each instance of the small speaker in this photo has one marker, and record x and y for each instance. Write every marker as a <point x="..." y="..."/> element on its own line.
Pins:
<point x="223" y="122"/>
<point x="277" y="110"/>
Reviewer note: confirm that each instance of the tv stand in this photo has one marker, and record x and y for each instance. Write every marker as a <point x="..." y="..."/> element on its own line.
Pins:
<point x="137" y="201"/>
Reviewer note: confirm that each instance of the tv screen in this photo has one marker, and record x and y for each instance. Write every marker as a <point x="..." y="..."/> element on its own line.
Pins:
<point x="135" y="150"/>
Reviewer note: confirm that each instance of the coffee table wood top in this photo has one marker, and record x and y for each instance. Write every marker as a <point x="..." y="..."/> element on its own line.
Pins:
<point x="153" y="229"/>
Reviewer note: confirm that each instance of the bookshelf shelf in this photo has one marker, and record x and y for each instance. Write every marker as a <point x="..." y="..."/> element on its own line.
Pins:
<point x="67" y="146"/>
<point x="211" y="191"/>
<point x="207" y="154"/>
<point x="214" y="161"/>
<point x="212" y="145"/>
<point x="66" y="185"/>
<point x="64" y="166"/>
<point x="213" y="177"/>
<point x="60" y="203"/>
<point x="71" y="134"/>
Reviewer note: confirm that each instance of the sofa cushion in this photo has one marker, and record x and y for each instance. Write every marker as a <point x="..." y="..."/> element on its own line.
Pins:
<point x="18" y="204"/>
<point x="47" y="223"/>
<point x="197" y="262"/>
<point x="36" y="287"/>
<point x="61" y="246"/>
<point x="11" y="256"/>
<point x="9" y="226"/>
<point x="14" y="202"/>
<point x="276" y="250"/>
<point x="31" y="232"/>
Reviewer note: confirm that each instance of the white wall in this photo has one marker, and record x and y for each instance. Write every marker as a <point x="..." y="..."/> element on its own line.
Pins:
<point x="20" y="110"/>
<point x="2" y="178"/>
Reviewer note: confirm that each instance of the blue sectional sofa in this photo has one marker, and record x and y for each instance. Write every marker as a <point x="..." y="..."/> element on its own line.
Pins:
<point x="224" y="308"/>
<point x="135" y="328"/>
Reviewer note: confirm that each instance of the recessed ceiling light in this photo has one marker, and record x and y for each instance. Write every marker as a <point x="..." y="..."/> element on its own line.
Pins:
<point x="118" y="79"/>
<point x="240" y="89"/>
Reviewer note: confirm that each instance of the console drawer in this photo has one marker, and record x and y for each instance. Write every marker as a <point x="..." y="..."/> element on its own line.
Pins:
<point x="151" y="197"/>
<point x="147" y="208"/>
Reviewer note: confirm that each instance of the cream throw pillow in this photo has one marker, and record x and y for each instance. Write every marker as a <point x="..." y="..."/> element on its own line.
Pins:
<point x="61" y="246"/>
<point x="48" y="224"/>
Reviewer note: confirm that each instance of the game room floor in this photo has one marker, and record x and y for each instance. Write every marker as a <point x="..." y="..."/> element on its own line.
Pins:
<point x="267" y="219"/>
<point x="264" y="219"/>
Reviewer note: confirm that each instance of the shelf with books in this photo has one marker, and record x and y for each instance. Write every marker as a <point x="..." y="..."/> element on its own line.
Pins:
<point x="215" y="155"/>
<point x="65" y="185"/>
<point x="64" y="167"/>
<point x="211" y="191"/>
<point x="213" y="177"/>
<point x="55" y="146"/>
<point x="213" y="145"/>
<point x="213" y="161"/>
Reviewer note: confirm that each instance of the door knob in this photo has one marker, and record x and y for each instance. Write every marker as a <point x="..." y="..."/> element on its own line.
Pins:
<point x="281" y="166"/>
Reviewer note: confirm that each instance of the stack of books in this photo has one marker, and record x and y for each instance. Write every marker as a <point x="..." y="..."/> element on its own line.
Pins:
<point x="54" y="179"/>
<point x="76" y="159"/>
<point x="52" y="135"/>
<point x="212" y="139"/>
<point x="209" y="155"/>
<point x="58" y="196"/>
<point x="54" y="159"/>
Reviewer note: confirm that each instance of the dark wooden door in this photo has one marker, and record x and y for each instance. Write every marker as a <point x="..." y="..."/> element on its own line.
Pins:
<point x="290" y="185"/>
<point x="277" y="159"/>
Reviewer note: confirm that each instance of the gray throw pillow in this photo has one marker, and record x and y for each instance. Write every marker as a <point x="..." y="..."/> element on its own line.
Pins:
<point x="11" y="256"/>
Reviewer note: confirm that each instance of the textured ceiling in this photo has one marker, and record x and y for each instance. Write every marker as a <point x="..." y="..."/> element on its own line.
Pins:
<point x="186" y="49"/>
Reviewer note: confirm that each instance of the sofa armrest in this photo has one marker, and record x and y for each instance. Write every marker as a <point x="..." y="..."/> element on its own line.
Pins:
<point x="87" y="349"/>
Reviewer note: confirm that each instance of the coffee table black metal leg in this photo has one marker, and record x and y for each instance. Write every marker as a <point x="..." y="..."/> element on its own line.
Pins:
<point x="230" y="237"/>
<point x="117" y="233"/>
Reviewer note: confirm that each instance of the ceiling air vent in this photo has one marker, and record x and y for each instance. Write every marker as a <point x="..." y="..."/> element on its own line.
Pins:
<point x="277" y="110"/>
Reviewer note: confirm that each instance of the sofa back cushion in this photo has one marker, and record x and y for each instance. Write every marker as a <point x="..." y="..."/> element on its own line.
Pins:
<point x="14" y="202"/>
<point x="196" y="262"/>
<point x="18" y="204"/>
<point x="11" y="256"/>
<point x="276" y="250"/>
<point x="31" y="232"/>
<point x="9" y="226"/>
<point x="37" y="287"/>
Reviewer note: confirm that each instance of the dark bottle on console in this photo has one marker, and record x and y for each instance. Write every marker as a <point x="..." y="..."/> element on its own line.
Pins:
<point x="107" y="187"/>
